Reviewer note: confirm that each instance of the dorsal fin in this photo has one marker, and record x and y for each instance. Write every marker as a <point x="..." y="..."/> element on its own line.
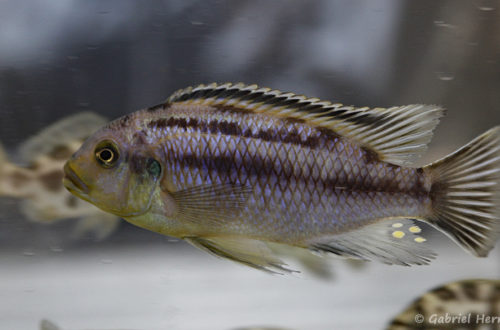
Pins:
<point x="398" y="134"/>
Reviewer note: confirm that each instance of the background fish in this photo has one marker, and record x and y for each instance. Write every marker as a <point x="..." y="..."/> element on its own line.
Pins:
<point x="237" y="170"/>
<point x="38" y="182"/>
<point x="476" y="297"/>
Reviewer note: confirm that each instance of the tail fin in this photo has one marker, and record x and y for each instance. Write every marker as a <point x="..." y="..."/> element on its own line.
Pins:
<point x="466" y="193"/>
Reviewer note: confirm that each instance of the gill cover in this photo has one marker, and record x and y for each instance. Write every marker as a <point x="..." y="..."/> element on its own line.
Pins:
<point x="136" y="194"/>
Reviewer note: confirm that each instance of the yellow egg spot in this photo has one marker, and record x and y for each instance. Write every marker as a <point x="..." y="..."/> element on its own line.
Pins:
<point x="415" y="229"/>
<point x="397" y="225"/>
<point x="420" y="239"/>
<point x="398" y="234"/>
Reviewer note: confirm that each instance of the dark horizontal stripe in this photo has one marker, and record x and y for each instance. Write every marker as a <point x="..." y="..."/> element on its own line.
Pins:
<point x="300" y="105"/>
<point x="282" y="135"/>
<point x="321" y="139"/>
<point x="370" y="156"/>
<point x="283" y="170"/>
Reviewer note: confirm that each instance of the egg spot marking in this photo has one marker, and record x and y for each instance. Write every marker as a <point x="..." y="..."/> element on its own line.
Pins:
<point x="415" y="229"/>
<point x="419" y="239"/>
<point x="398" y="234"/>
<point x="397" y="225"/>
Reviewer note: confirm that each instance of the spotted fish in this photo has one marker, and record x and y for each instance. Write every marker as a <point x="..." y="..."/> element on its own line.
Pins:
<point x="37" y="181"/>
<point x="237" y="170"/>
<point x="467" y="304"/>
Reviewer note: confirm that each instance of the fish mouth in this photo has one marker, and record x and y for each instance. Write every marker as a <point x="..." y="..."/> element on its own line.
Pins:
<point x="72" y="181"/>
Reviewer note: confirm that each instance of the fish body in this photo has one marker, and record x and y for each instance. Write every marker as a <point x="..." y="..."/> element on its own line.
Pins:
<point x="37" y="180"/>
<point x="303" y="182"/>
<point x="236" y="169"/>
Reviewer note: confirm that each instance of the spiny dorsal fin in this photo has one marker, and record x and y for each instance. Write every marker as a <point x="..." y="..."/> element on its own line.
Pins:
<point x="398" y="134"/>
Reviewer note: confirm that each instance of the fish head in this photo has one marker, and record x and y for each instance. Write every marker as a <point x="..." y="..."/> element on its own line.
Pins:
<point x="114" y="174"/>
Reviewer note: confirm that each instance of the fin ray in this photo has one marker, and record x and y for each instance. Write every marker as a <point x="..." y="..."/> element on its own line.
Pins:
<point x="466" y="193"/>
<point x="379" y="241"/>
<point x="398" y="134"/>
<point x="249" y="252"/>
<point x="218" y="203"/>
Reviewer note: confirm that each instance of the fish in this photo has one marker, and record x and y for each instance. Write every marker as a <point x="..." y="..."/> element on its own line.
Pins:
<point x="37" y="180"/>
<point x="465" y="304"/>
<point x="242" y="171"/>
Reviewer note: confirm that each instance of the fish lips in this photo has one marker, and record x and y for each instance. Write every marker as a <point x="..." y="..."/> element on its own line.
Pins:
<point x="73" y="183"/>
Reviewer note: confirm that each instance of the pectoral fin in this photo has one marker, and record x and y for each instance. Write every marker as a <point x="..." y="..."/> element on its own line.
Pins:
<point x="218" y="204"/>
<point x="250" y="252"/>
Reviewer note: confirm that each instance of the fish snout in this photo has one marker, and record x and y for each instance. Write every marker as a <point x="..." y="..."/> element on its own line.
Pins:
<point x="72" y="181"/>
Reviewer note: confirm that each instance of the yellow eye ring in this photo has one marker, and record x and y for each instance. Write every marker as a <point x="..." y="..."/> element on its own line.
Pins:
<point x="106" y="155"/>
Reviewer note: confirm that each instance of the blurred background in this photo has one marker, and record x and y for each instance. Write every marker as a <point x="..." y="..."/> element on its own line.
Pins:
<point x="59" y="58"/>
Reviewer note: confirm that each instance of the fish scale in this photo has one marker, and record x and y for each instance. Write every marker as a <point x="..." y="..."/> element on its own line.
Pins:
<point x="287" y="163"/>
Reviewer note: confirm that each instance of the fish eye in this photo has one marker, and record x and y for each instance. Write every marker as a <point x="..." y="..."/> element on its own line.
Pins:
<point x="106" y="154"/>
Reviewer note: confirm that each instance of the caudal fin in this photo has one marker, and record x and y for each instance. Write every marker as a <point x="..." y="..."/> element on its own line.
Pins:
<point x="466" y="193"/>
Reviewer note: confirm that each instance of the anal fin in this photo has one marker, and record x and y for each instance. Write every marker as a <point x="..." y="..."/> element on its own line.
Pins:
<point x="391" y="241"/>
<point x="250" y="252"/>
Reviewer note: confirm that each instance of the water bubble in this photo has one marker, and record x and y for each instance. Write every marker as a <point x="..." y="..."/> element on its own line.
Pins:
<point x="486" y="5"/>
<point x="56" y="249"/>
<point x="28" y="253"/>
<point x="445" y="25"/>
<point x="445" y="76"/>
